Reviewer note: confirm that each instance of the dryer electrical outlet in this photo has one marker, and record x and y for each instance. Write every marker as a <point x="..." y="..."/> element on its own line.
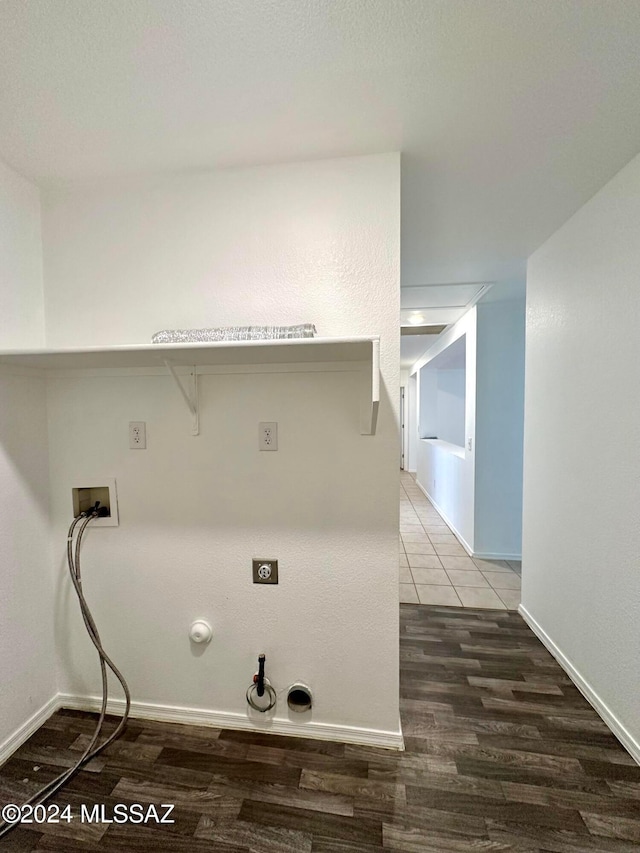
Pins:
<point x="265" y="571"/>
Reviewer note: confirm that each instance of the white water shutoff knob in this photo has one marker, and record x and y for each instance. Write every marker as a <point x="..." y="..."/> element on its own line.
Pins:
<point x="200" y="631"/>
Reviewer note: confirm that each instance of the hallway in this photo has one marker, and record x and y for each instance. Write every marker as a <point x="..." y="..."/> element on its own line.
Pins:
<point x="435" y="568"/>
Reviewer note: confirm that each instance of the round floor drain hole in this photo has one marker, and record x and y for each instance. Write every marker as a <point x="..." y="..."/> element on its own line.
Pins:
<point x="299" y="698"/>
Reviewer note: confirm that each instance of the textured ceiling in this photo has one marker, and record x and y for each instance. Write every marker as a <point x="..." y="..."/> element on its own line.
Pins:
<point x="412" y="347"/>
<point x="510" y="113"/>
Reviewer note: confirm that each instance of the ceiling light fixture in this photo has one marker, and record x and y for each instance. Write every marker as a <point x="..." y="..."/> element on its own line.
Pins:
<point x="416" y="319"/>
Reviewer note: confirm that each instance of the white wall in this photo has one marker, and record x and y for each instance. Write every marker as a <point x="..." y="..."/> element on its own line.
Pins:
<point x="314" y="242"/>
<point x="446" y="473"/>
<point x="428" y="410"/>
<point x="21" y="297"/>
<point x="499" y="422"/>
<point x="477" y="487"/>
<point x="278" y="245"/>
<point x="404" y="415"/>
<point x="27" y="661"/>
<point x="412" y="424"/>
<point x="27" y="673"/>
<point x="451" y="405"/>
<point x="581" y="537"/>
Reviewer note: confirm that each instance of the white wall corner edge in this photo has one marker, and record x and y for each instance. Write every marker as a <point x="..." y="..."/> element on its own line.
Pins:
<point x="221" y="720"/>
<point x="602" y="709"/>
<point x="24" y="732"/>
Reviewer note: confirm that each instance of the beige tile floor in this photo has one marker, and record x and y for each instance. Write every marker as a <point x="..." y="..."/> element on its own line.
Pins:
<point x="435" y="568"/>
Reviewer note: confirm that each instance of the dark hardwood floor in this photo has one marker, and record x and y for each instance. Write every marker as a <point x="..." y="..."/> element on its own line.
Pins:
<point x="502" y="753"/>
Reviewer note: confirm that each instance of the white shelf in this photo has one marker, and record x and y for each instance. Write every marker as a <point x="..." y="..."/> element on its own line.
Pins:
<point x="287" y="351"/>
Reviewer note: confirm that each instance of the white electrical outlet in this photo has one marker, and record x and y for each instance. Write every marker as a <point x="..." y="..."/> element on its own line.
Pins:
<point x="137" y="435"/>
<point x="268" y="435"/>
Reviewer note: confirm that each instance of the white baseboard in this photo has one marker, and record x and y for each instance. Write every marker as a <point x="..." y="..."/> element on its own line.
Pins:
<point x="200" y="717"/>
<point x="221" y="720"/>
<point x="496" y="555"/>
<point x="24" y="732"/>
<point x="624" y="736"/>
